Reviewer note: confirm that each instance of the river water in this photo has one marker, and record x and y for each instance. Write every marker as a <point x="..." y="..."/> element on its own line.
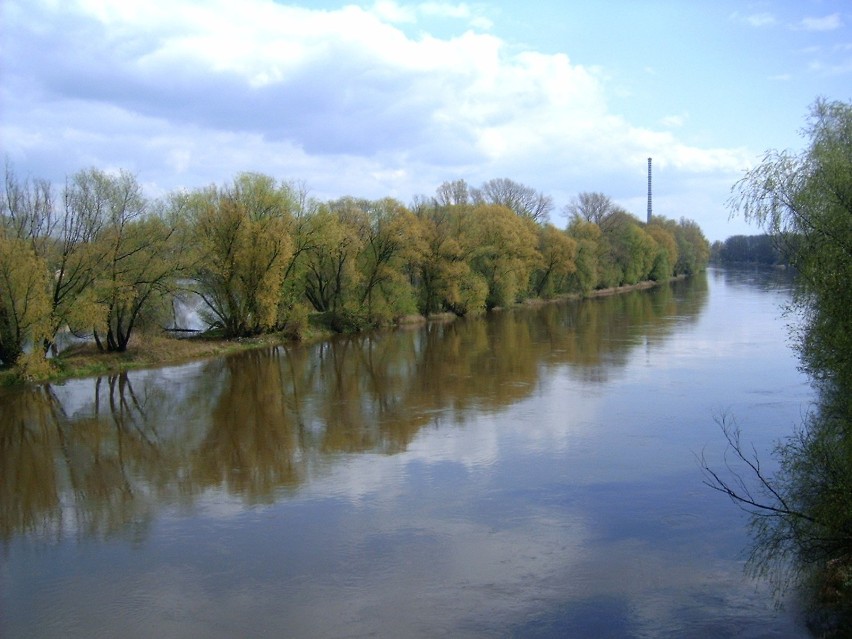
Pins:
<point x="529" y="474"/>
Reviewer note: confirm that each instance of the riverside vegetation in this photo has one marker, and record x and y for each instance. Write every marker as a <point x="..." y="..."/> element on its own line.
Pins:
<point x="801" y="515"/>
<point x="267" y="262"/>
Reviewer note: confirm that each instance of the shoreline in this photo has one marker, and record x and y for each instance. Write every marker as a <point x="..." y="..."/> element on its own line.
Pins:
<point x="159" y="351"/>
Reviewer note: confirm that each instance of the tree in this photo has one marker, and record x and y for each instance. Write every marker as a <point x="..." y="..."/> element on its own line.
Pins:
<point x="305" y="235"/>
<point x="24" y="298"/>
<point x="588" y="237"/>
<point x="26" y="222"/>
<point x="27" y="209"/>
<point x="66" y="241"/>
<point x="505" y="253"/>
<point x="91" y="199"/>
<point x="693" y="249"/>
<point x="330" y="262"/>
<point x="147" y="259"/>
<point x="666" y="257"/>
<point x="391" y="237"/>
<point x="802" y="516"/>
<point x="243" y="232"/>
<point x="805" y="202"/>
<point x="591" y="207"/>
<point x="453" y="193"/>
<point x="139" y="258"/>
<point x="559" y="253"/>
<point x="445" y="279"/>
<point x="523" y="200"/>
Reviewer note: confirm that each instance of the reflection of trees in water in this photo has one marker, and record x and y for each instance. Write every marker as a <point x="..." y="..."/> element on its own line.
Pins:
<point x="265" y="420"/>
<point x="252" y="443"/>
<point x="88" y="474"/>
<point x="801" y="515"/>
<point x="597" y="337"/>
<point x="30" y="486"/>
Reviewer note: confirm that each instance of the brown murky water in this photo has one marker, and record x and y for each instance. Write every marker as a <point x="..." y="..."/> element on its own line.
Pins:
<point x="530" y="474"/>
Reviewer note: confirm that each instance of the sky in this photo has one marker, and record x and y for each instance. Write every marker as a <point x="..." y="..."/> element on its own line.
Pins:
<point x="392" y="98"/>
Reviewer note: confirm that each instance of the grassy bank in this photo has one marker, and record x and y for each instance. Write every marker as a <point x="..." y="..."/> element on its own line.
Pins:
<point x="145" y="351"/>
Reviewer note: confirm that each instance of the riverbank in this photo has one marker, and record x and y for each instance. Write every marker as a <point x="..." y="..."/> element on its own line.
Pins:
<point x="154" y="351"/>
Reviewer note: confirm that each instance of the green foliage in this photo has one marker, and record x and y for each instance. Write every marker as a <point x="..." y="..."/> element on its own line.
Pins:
<point x="262" y="255"/>
<point x="588" y="237"/>
<point x="243" y="234"/>
<point x="445" y="279"/>
<point x="666" y="256"/>
<point x="24" y="298"/>
<point x="505" y="254"/>
<point x="558" y="252"/>
<point x="748" y="249"/>
<point x="803" y="519"/>
<point x="330" y="268"/>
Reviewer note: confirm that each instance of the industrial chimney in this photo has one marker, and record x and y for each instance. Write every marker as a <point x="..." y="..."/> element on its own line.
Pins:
<point x="649" y="190"/>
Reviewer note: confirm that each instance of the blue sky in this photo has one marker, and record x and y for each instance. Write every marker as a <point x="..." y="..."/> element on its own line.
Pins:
<point x="391" y="98"/>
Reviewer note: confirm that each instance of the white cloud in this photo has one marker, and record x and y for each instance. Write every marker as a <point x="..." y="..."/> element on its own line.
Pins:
<point x="185" y="94"/>
<point x="674" y="121"/>
<point x="827" y="23"/>
<point x="757" y="20"/>
<point x="393" y="12"/>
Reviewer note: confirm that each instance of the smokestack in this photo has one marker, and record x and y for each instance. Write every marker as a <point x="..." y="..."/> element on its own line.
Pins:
<point x="649" y="190"/>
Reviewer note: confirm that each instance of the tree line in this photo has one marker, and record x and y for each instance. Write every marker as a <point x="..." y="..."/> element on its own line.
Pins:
<point x="100" y="259"/>
<point x="126" y="464"/>
<point x="759" y="249"/>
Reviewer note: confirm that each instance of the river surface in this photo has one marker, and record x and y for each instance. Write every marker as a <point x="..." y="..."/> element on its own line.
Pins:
<point x="529" y="474"/>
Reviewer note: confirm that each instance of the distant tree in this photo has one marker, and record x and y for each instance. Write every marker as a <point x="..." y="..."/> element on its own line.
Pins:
<point x="452" y="193"/>
<point x="591" y="207"/>
<point x="523" y="200"/>
<point x="748" y="249"/>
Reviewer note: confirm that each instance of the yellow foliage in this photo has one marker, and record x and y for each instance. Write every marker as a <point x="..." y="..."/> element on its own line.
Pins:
<point x="25" y="303"/>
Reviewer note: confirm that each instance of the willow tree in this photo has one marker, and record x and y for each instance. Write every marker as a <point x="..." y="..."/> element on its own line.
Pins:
<point x="446" y="281"/>
<point x="802" y="515"/>
<point x="393" y="240"/>
<point x="505" y="254"/>
<point x="523" y="200"/>
<point x="558" y="261"/>
<point x="242" y="231"/>
<point x="24" y="299"/>
<point x="66" y="239"/>
<point x="27" y="219"/>
<point x="666" y="256"/>
<point x="146" y="261"/>
<point x="330" y="262"/>
<point x="587" y="234"/>
<point x="805" y="202"/>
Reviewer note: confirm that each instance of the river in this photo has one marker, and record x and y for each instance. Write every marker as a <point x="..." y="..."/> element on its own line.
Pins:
<point x="529" y="474"/>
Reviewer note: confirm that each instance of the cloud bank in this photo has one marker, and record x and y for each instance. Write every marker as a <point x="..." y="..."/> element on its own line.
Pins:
<point x="355" y="100"/>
